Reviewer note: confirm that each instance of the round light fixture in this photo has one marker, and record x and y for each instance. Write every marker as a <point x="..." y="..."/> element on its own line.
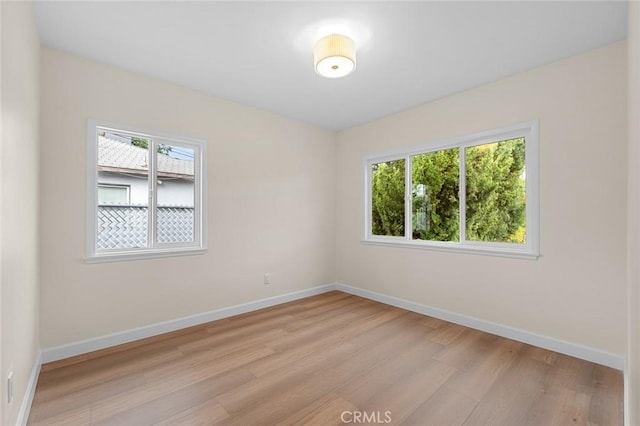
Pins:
<point x="334" y="56"/>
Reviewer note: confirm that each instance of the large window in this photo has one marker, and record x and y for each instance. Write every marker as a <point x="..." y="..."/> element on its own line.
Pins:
<point x="145" y="194"/>
<point x="474" y="194"/>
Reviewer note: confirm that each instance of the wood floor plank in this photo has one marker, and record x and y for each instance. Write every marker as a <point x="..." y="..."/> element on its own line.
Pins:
<point x="322" y="299"/>
<point x="74" y="417"/>
<point x="177" y="401"/>
<point x="206" y="414"/>
<point x="311" y="360"/>
<point x="230" y="335"/>
<point x="330" y="332"/>
<point x="444" y="407"/>
<point x="154" y="343"/>
<point x="361" y="333"/>
<point x="76" y="378"/>
<point x="469" y="346"/>
<point x="414" y="359"/>
<point x="445" y="334"/>
<point x="82" y="398"/>
<point x="210" y="367"/>
<point x="246" y="397"/>
<point x="606" y="397"/>
<point x="362" y="361"/>
<point x="403" y="396"/>
<point x="510" y="398"/>
<point x="480" y="376"/>
<point x="158" y="386"/>
<point x="326" y="410"/>
<point x="210" y="351"/>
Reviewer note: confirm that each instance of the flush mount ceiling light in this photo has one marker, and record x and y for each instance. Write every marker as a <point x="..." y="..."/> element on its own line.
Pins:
<point x="334" y="56"/>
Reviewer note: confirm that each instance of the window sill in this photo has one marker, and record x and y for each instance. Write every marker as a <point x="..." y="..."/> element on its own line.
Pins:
<point x="125" y="256"/>
<point x="455" y="248"/>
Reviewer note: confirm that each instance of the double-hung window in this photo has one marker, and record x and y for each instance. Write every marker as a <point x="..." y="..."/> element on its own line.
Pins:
<point x="145" y="194"/>
<point x="474" y="194"/>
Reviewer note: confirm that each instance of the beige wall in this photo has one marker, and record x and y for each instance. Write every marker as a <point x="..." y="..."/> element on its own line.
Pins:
<point x="270" y="200"/>
<point x="633" y="221"/>
<point x="576" y="290"/>
<point x="19" y="208"/>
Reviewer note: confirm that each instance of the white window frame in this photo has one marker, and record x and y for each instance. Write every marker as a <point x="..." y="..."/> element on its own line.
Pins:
<point x="529" y="250"/>
<point x="154" y="249"/>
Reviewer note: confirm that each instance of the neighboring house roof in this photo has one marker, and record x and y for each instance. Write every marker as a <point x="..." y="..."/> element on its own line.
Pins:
<point x="114" y="156"/>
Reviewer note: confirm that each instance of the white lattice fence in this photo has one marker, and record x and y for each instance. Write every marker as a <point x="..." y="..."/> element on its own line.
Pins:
<point x="174" y="225"/>
<point x="126" y="226"/>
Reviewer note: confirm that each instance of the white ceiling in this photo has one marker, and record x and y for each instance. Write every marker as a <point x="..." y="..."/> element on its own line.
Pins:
<point x="260" y="53"/>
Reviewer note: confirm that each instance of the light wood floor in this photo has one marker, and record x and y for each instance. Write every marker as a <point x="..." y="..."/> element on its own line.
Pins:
<point x="314" y="360"/>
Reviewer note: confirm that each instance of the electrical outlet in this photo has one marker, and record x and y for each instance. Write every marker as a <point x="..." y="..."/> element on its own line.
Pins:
<point x="267" y="279"/>
<point x="10" y="387"/>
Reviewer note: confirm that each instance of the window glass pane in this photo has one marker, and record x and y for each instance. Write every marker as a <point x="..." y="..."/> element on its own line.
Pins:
<point x="123" y="160"/>
<point x="109" y="194"/>
<point x="175" y="194"/>
<point x="435" y="202"/>
<point x="387" y="198"/>
<point x="495" y="192"/>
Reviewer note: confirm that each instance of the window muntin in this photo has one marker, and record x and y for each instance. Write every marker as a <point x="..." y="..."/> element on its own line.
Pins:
<point x="164" y="176"/>
<point x="477" y="193"/>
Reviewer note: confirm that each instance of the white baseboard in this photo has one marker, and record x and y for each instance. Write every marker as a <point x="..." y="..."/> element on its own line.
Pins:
<point x="25" y="408"/>
<point x="553" y="344"/>
<point x="102" y="342"/>
<point x="546" y="342"/>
